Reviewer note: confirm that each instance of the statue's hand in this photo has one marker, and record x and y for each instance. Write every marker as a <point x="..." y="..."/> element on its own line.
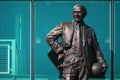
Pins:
<point x="104" y="66"/>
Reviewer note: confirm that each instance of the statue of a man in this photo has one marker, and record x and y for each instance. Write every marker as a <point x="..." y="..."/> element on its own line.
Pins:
<point x="79" y="49"/>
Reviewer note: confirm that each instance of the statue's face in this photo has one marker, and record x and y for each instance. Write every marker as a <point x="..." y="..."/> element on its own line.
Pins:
<point x="78" y="13"/>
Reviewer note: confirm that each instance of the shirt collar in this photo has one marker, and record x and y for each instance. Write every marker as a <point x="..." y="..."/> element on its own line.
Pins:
<point x="80" y="23"/>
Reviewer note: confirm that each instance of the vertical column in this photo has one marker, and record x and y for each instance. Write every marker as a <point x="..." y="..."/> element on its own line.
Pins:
<point x="32" y="42"/>
<point x="112" y="39"/>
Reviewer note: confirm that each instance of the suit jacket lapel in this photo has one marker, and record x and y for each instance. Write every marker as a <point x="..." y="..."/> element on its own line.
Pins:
<point x="68" y="34"/>
<point x="84" y="36"/>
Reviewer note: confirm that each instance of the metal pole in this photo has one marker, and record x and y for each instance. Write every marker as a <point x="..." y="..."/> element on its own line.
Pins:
<point x="32" y="41"/>
<point x="112" y="39"/>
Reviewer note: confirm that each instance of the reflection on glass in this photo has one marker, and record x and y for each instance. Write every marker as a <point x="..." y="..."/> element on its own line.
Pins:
<point x="49" y="14"/>
<point x="14" y="40"/>
<point x="117" y="40"/>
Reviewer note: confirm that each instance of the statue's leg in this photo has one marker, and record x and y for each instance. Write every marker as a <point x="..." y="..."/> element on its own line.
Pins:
<point x="72" y="76"/>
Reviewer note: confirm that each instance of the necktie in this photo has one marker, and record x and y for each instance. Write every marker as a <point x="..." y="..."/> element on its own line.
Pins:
<point x="79" y="38"/>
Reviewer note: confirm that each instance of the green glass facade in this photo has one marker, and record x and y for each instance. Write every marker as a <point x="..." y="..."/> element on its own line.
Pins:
<point x="16" y="29"/>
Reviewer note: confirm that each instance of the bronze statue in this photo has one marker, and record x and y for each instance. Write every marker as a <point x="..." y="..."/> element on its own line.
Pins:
<point x="78" y="50"/>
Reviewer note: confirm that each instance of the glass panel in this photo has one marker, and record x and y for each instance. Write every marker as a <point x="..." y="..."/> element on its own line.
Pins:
<point x="15" y="33"/>
<point x="117" y="40"/>
<point x="49" y="14"/>
<point x="15" y="0"/>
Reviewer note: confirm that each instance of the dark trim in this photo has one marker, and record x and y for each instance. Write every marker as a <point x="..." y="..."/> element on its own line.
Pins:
<point x="72" y="0"/>
<point x="112" y="39"/>
<point x="56" y="0"/>
<point x="32" y="41"/>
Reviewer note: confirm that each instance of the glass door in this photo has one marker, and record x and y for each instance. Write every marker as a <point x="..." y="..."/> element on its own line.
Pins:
<point x="15" y="24"/>
<point x="116" y="40"/>
<point x="49" y="14"/>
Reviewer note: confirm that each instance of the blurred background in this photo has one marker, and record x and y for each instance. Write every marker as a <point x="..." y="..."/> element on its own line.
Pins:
<point x="16" y="41"/>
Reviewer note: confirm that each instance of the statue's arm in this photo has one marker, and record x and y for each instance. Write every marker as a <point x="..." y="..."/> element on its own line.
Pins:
<point x="52" y="37"/>
<point x="99" y="55"/>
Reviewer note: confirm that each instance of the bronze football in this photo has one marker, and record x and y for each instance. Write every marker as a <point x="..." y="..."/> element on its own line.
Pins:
<point x="96" y="69"/>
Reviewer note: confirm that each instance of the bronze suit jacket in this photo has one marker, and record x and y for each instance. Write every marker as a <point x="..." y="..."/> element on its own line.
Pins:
<point x="90" y="45"/>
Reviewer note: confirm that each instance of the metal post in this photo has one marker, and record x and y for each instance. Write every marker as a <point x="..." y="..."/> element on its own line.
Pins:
<point x="32" y="42"/>
<point x="112" y="39"/>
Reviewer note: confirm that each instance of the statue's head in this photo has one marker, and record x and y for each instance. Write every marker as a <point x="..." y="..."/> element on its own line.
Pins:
<point x="79" y="12"/>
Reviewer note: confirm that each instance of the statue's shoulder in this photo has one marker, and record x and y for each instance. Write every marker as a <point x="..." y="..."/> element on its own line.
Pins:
<point x="89" y="28"/>
<point x="67" y="23"/>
